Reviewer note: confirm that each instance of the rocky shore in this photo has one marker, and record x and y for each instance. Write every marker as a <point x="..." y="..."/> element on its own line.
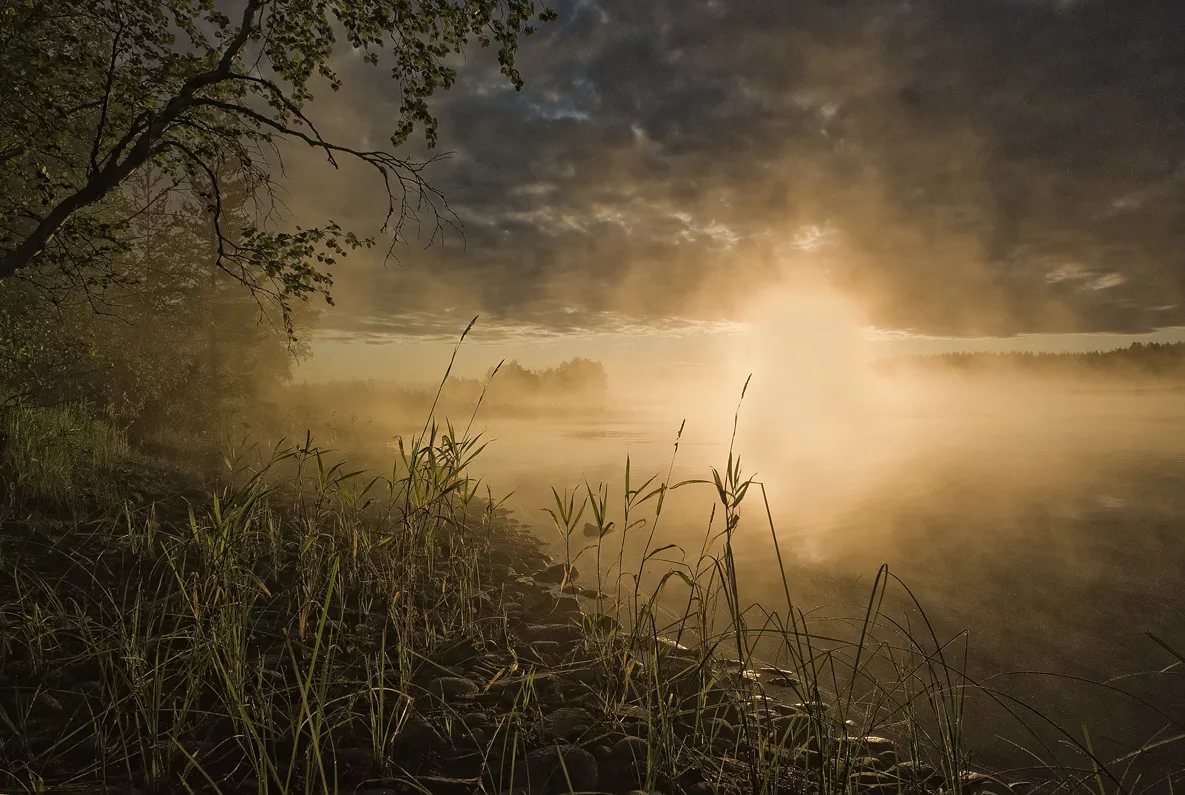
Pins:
<point x="313" y="648"/>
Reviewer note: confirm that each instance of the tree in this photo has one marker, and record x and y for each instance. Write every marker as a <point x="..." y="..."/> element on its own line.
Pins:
<point x="95" y="91"/>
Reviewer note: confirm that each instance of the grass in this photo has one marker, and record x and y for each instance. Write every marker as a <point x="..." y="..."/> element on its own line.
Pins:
<point x="288" y="634"/>
<point x="57" y="454"/>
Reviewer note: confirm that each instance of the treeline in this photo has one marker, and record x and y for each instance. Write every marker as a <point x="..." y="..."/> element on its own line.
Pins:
<point x="574" y="385"/>
<point x="1140" y="359"/>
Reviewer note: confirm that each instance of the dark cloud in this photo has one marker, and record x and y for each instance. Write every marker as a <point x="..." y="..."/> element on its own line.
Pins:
<point x="961" y="166"/>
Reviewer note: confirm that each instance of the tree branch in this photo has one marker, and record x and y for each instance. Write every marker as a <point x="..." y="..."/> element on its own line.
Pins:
<point x="115" y="171"/>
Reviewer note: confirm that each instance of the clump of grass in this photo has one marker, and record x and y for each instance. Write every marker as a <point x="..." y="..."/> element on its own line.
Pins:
<point x="55" y="454"/>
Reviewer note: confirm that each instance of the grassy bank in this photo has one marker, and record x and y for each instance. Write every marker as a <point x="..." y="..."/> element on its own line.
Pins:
<point x="291" y="624"/>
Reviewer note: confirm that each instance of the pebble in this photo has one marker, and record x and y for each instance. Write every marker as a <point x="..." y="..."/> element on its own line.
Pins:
<point x="556" y="770"/>
<point x="417" y="735"/>
<point x="566" y="723"/>
<point x="560" y="633"/>
<point x="445" y="785"/>
<point x="556" y="573"/>
<point x="629" y="754"/>
<point x="452" y="687"/>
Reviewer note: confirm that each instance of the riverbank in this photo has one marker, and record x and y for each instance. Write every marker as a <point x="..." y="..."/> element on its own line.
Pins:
<point x="298" y="626"/>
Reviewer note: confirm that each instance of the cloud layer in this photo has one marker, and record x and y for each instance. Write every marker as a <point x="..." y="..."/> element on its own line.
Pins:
<point x="958" y="166"/>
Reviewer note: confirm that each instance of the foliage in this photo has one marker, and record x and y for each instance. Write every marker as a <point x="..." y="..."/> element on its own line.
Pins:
<point x="94" y="92"/>
<point x="174" y="344"/>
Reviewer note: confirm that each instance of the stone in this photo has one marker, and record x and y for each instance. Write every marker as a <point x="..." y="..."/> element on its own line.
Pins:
<point x="585" y="675"/>
<point x="566" y="723"/>
<point x="468" y="765"/>
<point x="476" y="720"/>
<point x="445" y="785"/>
<point x="875" y="782"/>
<point x="567" y="606"/>
<point x="457" y="652"/>
<point x="560" y="633"/>
<point x="556" y="573"/>
<point x="561" y="769"/>
<point x="452" y="688"/>
<point x="581" y="591"/>
<point x="982" y="784"/>
<point x="629" y="755"/>
<point x="722" y="733"/>
<point x="417" y="735"/>
<point x="918" y="774"/>
<point x="604" y="623"/>
<point x="547" y="651"/>
<point x="354" y="764"/>
<point x="777" y="677"/>
<point x="506" y="693"/>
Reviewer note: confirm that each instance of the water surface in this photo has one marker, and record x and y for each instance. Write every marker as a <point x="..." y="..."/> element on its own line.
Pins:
<point x="1046" y="523"/>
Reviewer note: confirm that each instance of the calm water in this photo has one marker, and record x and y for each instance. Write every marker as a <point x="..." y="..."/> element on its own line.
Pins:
<point x="1048" y="526"/>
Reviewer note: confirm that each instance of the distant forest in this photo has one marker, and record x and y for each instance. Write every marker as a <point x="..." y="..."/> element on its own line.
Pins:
<point x="1140" y="359"/>
<point x="573" y="385"/>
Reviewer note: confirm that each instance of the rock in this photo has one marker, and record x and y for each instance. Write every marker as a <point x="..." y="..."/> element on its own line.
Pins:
<point x="556" y="573"/>
<point x="878" y="746"/>
<point x="506" y="693"/>
<point x="457" y="652"/>
<point x="982" y="784"/>
<point x="777" y="677"/>
<point x="630" y="755"/>
<point x="354" y="764"/>
<point x="478" y="738"/>
<point x="722" y="734"/>
<point x="875" y="782"/>
<point x="560" y="633"/>
<point x="562" y="769"/>
<point x="417" y="736"/>
<point x="548" y="651"/>
<point x="452" y="687"/>
<point x="918" y="774"/>
<point x="875" y="764"/>
<point x="584" y="593"/>
<point x="566" y="723"/>
<point x="603" y="622"/>
<point x="585" y="675"/>
<point x="445" y="785"/>
<point x="811" y="707"/>
<point x="567" y="606"/>
<point x="468" y="765"/>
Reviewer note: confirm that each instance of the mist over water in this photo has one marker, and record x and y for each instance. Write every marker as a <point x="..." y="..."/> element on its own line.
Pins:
<point x="1036" y="519"/>
<point x="1045" y="520"/>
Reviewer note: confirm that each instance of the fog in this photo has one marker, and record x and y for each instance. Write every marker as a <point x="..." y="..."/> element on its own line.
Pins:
<point x="1036" y="508"/>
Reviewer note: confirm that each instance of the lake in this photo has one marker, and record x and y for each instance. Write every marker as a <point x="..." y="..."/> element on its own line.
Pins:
<point x="1045" y="521"/>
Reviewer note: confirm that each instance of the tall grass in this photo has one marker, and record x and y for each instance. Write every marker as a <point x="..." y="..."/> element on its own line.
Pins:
<point x="286" y="635"/>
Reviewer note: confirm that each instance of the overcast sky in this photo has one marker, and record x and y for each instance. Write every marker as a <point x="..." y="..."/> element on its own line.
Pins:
<point x="958" y="168"/>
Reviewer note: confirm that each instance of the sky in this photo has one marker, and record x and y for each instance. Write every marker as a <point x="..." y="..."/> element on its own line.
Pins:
<point x="964" y="173"/>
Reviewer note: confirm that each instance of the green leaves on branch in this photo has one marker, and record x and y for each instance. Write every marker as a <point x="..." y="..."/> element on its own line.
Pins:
<point x="96" y="91"/>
